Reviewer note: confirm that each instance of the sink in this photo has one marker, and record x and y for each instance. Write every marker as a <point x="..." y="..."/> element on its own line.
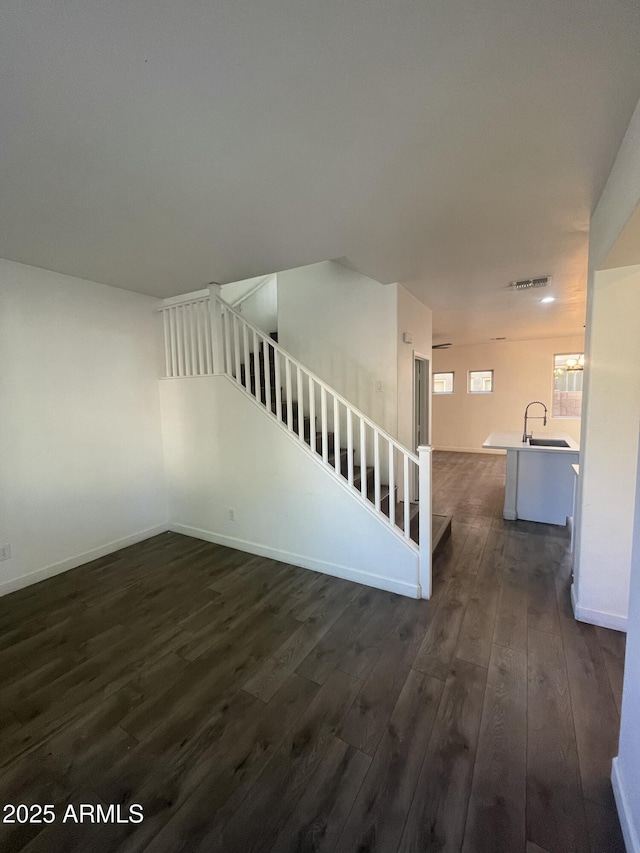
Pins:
<point x="548" y="442"/>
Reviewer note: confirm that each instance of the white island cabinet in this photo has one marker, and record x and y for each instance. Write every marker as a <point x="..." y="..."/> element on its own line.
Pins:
<point x="540" y="480"/>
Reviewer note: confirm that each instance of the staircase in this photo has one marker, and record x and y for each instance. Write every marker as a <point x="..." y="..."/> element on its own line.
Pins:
<point x="205" y="336"/>
<point x="441" y="525"/>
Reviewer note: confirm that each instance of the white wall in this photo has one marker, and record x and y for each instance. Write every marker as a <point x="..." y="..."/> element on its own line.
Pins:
<point x="261" y="308"/>
<point x="223" y="452"/>
<point x="343" y="327"/>
<point x="605" y="488"/>
<point x="81" y="462"/>
<point x="607" y="467"/>
<point x="522" y="372"/>
<point x="626" y="769"/>
<point x="413" y="317"/>
<point x="608" y="463"/>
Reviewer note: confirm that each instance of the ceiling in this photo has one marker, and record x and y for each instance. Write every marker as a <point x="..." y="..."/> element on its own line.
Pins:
<point x="454" y="147"/>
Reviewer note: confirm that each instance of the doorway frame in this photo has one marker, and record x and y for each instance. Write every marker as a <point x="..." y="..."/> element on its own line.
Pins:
<point x="416" y="438"/>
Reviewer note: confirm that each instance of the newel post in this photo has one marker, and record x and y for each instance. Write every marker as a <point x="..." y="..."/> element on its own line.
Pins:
<point x="424" y="511"/>
<point x="217" y="341"/>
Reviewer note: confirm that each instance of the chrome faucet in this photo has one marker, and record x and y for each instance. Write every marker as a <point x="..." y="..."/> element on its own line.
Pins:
<point x="542" y="418"/>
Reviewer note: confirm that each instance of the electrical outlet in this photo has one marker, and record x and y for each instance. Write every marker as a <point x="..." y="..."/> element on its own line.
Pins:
<point x="5" y="552"/>
<point x="231" y="513"/>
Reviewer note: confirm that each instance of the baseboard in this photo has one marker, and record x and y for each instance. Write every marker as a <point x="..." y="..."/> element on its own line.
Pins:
<point x="334" y="569"/>
<point x="597" y="617"/>
<point x="631" y="839"/>
<point x="79" y="559"/>
<point x="488" y="450"/>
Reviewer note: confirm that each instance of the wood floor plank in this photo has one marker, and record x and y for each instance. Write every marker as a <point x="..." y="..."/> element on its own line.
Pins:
<point x="128" y="693"/>
<point x="595" y="713"/>
<point x="556" y="817"/>
<point x="358" y="657"/>
<point x="367" y="720"/>
<point x="441" y="639"/>
<point x="80" y="681"/>
<point x="28" y="681"/>
<point x="542" y="611"/>
<point x="316" y="593"/>
<point x="209" y="678"/>
<point x="471" y="553"/>
<point x="239" y="606"/>
<point x="305" y="596"/>
<point x="260" y="819"/>
<point x="9" y="724"/>
<point x="612" y="644"/>
<point x="476" y="634"/>
<point x="438" y="811"/>
<point x="322" y="811"/>
<point x="511" y="615"/>
<point x="298" y="645"/>
<point x="215" y="770"/>
<point x="342" y="637"/>
<point x="27" y="783"/>
<point x="605" y="833"/>
<point x="378" y="816"/>
<point x="496" y="814"/>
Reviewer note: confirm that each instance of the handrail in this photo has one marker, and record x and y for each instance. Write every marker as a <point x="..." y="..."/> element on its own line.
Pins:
<point x="183" y="299"/>
<point x="200" y="295"/>
<point x="382" y="432"/>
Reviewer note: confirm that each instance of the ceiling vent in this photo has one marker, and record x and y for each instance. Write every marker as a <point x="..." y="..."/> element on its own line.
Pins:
<point x="526" y="283"/>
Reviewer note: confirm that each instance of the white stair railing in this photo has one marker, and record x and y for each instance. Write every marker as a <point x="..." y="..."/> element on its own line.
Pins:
<point x="204" y="336"/>
<point x="188" y="338"/>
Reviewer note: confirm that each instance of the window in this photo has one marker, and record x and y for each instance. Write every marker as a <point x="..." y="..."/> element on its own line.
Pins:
<point x="443" y="383"/>
<point x="480" y="381"/>
<point x="567" y="385"/>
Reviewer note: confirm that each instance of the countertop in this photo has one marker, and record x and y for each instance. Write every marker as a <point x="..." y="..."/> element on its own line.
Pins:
<point x="513" y="441"/>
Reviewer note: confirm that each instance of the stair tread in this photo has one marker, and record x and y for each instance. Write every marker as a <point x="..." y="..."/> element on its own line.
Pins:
<point x="440" y="525"/>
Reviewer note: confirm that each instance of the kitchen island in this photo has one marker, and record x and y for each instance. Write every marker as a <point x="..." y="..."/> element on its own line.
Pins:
<point x="540" y="479"/>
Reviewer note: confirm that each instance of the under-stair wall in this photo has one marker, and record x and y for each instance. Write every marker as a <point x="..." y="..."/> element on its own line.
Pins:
<point x="224" y="457"/>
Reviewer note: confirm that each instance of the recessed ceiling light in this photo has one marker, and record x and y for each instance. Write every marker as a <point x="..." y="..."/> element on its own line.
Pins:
<point x="548" y="299"/>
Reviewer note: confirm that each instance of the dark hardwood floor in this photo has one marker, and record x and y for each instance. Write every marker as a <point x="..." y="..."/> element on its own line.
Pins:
<point x="248" y="705"/>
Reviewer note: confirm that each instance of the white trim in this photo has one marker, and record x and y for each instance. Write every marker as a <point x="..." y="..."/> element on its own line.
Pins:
<point x="418" y="354"/>
<point x="631" y="840"/>
<point x="194" y="376"/>
<point x="425" y="518"/>
<point x="79" y="559"/>
<point x="472" y="450"/>
<point x="597" y="617"/>
<point x="334" y="569"/>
